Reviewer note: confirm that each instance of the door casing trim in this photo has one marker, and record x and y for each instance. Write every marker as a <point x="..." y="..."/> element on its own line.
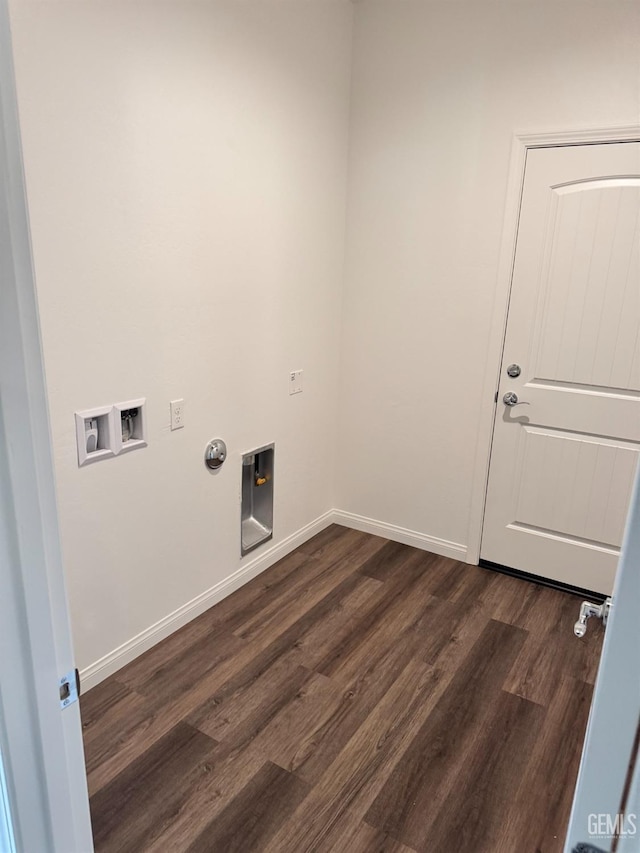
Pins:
<point x="523" y="141"/>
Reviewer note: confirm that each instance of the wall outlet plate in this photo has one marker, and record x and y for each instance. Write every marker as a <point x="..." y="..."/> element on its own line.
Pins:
<point x="177" y="414"/>
<point x="295" y="382"/>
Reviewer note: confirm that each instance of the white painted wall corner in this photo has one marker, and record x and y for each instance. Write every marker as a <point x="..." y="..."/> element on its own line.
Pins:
<point x="443" y="547"/>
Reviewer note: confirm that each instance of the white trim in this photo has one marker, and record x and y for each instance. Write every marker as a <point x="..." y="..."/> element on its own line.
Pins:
<point x="7" y="840"/>
<point x="522" y="142"/>
<point x="584" y="136"/>
<point x="400" y="534"/>
<point x="124" y="654"/>
<point x="41" y="743"/>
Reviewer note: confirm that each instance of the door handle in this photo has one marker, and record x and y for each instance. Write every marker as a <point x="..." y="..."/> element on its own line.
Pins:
<point x="510" y="398"/>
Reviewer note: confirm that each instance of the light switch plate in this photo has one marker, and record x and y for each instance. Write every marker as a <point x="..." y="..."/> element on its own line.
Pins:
<point x="295" y="382"/>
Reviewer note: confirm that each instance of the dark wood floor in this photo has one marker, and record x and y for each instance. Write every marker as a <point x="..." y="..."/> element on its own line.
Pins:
<point x="359" y="696"/>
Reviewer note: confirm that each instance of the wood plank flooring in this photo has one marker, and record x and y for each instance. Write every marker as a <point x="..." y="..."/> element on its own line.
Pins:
<point x="360" y="696"/>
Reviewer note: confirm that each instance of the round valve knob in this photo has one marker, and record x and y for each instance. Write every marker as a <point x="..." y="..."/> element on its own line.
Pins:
<point x="215" y="453"/>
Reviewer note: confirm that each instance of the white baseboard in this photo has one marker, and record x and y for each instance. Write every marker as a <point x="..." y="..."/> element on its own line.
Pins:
<point x="400" y="534"/>
<point x="124" y="654"/>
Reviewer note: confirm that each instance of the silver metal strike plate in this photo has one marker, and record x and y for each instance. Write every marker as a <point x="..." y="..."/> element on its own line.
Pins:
<point x="68" y="689"/>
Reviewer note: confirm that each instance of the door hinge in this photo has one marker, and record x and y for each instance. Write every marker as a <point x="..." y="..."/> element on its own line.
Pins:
<point x="69" y="686"/>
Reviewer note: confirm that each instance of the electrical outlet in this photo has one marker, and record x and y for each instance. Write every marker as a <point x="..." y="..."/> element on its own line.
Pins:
<point x="295" y="382"/>
<point x="177" y="414"/>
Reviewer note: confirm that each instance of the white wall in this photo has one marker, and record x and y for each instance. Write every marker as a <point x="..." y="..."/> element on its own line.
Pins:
<point x="186" y="175"/>
<point x="438" y="91"/>
<point x="187" y="171"/>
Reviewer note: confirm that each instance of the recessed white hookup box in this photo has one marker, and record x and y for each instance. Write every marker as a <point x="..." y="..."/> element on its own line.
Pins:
<point x="94" y="434"/>
<point x="110" y="430"/>
<point x="130" y="425"/>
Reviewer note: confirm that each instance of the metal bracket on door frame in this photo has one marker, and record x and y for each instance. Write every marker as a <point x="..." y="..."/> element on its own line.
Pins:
<point x="69" y="687"/>
<point x="589" y="609"/>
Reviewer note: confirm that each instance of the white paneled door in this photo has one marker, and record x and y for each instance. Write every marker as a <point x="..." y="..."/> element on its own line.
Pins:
<point x="567" y="430"/>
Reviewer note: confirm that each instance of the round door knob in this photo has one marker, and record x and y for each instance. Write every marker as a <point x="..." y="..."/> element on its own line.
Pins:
<point x="510" y="398"/>
<point x="215" y="453"/>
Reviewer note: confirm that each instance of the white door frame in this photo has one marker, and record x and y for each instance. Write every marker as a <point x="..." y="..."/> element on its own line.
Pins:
<point x="7" y="840"/>
<point x="608" y="747"/>
<point x="41" y="744"/>
<point x="522" y="143"/>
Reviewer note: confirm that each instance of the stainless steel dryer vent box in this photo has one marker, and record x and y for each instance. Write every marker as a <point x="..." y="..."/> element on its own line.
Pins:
<point x="257" y="498"/>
